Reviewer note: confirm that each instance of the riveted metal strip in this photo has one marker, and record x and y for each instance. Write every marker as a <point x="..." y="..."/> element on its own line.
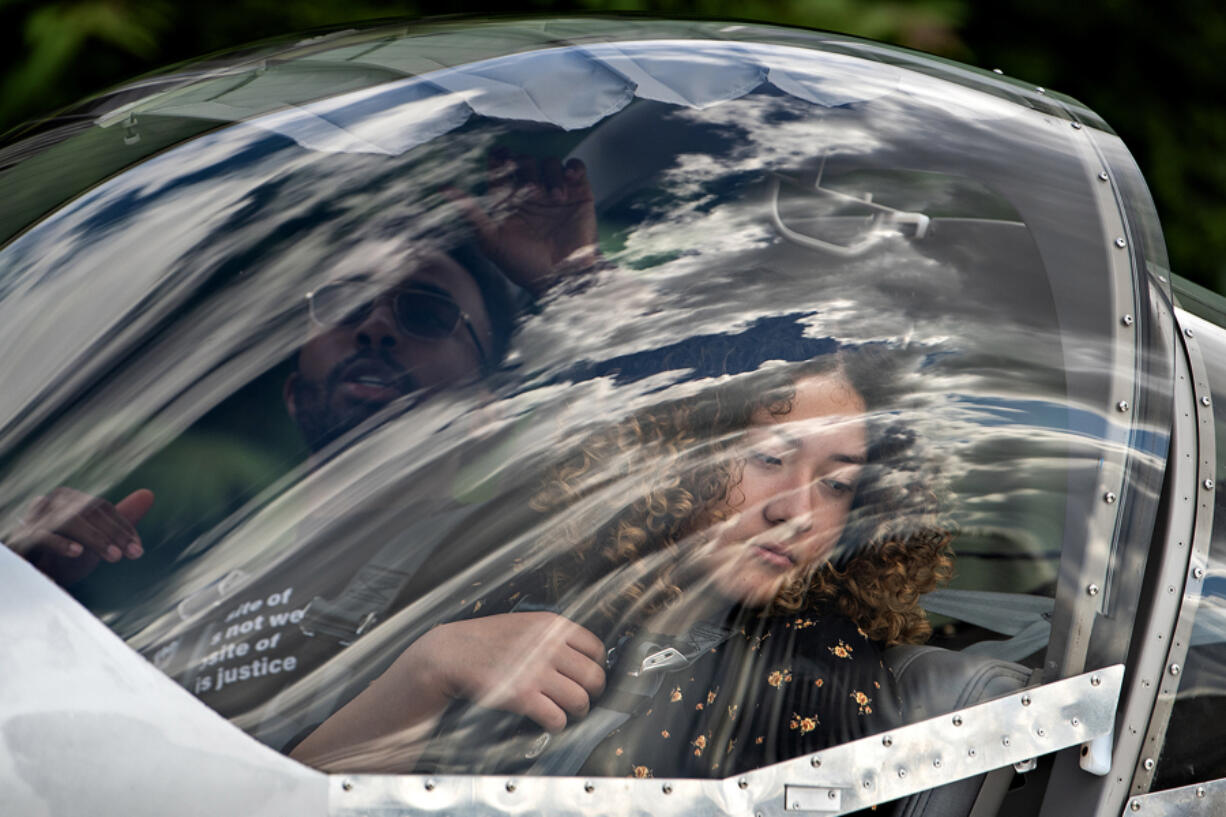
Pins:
<point x="1191" y="583"/>
<point x="1089" y="565"/>
<point x="838" y="780"/>
<point x="1172" y="548"/>
<point x="1198" y="800"/>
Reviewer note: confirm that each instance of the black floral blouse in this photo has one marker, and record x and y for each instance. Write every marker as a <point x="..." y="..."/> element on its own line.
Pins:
<point x="778" y="688"/>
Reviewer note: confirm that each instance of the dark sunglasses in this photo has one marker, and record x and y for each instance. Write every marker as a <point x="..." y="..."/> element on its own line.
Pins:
<point x="420" y="313"/>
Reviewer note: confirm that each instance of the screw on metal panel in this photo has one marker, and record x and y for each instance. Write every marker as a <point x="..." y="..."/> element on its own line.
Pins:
<point x="589" y="787"/>
<point x="1095" y="679"/>
<point x="1076" y="125"/>
<point x="1026" y="699"/>
<point x="347" y="785"/>
<point x="957" y="720"/>
<point x="1109" y="497"/>
<point x="1121" y="243"/>
<point x="1198" y="573"/>
<point x="1208" y="484"/>
<point x="429" y="784"/>
<point x="970" y="752"/>
<point x="1102" y="176"/>
<point x="1126" y="320"/>
<point x="1076" y="721"/>
<point x="1004" y="741"/>
<point x="832" y="794"/>
<point x="1187" y="333"/>
<point x="1200" y="791"/>
<point x="743" y="783"/>
<point x="902" y="772"/>
<point x="667" y="788"/>
<point x="936" y="763"/>
<point x="510" y="785"/>
<point x="1135" y="805"/>
<point x="1148" y="764"/>
<point x="887" y="741"/>
<point x="1092" y="590"/>
<point x="815" y="762"/>
<point x="1041" y="732"/>
<point x="1122" y="405"/>
<point x="1175" y="669"/>
<point x="868" y="783"/>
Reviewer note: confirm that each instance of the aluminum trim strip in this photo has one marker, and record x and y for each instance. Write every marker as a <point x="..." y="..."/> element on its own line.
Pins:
<point x="1199" y="799"/>
<point x="1202" y="534"/>
<point x="1172" y="548"/>
<point x="1089" y="562"/>
<point x="862" y="773"/>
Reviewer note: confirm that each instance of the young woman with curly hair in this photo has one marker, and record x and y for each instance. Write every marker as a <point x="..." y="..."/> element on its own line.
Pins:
<point x="773" y="531"/>
<point x="692" y="463"/>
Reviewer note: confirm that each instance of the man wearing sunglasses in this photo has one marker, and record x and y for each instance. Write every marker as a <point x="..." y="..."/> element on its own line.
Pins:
<point x="443" y="320"/>
<point x="373" y="341"/>
<point x="369" y="342"/>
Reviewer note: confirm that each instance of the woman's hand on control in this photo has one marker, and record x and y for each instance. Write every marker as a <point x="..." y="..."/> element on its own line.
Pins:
<point x="539" y="665"/>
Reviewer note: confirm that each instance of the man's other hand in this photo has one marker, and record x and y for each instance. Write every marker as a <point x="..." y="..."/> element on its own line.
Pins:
<point x="67" y="533"/>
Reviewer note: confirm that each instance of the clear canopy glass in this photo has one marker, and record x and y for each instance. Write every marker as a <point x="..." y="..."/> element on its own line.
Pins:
<point x="774" y="350"/>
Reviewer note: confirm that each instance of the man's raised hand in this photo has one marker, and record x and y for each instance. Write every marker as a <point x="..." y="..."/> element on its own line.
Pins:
<point x="537" y="221"/>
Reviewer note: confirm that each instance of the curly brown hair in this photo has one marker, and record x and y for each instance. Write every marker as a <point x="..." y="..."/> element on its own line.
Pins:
<point x="675" y="462"/>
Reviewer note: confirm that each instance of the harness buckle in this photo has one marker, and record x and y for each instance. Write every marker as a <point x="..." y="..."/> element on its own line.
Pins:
<point x="663" y="660"/>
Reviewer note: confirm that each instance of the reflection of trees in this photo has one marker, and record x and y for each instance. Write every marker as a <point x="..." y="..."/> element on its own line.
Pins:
<point x="62" y="51"/>
<point x="59" y="52"/>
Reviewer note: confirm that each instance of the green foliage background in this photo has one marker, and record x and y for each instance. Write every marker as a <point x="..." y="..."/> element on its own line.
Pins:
<point x="1151" y="70"/>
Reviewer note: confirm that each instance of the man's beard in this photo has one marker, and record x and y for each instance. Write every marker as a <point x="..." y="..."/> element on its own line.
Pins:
<point x="319" y="420"/>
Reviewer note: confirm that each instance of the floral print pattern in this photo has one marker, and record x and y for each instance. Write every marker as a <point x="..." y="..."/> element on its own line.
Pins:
<point x="842" y="649"/>
<point x="792" y="686"/>
<point x="804" y="724"/>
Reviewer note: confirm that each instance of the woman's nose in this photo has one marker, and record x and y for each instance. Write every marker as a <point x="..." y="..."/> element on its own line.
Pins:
<point x="791" y="504"/>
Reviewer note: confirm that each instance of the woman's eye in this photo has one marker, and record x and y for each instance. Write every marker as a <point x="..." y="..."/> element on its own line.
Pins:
<point x="838" y="487"/>
<point x="765" y="458"/>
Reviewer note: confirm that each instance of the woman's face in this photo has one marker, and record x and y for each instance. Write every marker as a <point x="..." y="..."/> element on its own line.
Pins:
<point x="800" y="476"/>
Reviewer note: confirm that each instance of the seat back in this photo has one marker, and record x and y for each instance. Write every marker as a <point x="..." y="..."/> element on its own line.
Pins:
<point x="933" y="681"/>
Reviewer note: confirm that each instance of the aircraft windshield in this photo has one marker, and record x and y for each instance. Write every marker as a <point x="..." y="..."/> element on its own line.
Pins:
<point x="624" y="409"/>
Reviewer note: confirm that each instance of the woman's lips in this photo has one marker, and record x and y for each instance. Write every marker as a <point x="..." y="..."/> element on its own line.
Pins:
<point x="774" y="557"/>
